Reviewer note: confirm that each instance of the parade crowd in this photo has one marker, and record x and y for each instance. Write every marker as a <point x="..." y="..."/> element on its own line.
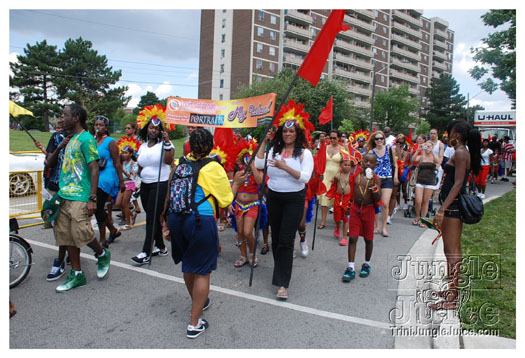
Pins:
<point x="224" y="180"/>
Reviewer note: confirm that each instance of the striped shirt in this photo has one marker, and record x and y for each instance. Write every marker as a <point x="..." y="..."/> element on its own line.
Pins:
<point x="508" y="150"/>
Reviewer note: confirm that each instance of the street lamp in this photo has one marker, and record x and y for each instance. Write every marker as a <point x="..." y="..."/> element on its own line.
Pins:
<point x="373" y="94"/>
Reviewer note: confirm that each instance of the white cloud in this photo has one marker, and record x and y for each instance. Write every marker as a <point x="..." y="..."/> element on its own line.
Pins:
<point x="192" y="75"/>
<point x="164" y="90"/>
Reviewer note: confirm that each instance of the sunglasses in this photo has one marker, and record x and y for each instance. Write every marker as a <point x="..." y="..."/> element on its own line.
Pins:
<point x="333" y="138"/>
<point x="379" y="138"/>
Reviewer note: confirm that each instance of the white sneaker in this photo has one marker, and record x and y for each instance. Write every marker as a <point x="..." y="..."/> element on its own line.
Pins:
<point x="331" y="210"/>
<point x="482" y="196"/>
<point x="304" y="249"/>
<point x="388" y="221"/>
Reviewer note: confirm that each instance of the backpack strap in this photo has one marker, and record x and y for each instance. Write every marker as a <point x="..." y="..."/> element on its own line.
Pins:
<point x="196" y="168"/>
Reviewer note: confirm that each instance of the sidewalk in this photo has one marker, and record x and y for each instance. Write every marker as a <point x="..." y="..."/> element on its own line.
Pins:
<point x="442" y="329"/>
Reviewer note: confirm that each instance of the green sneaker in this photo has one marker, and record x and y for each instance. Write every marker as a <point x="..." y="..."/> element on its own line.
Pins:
<point x="103" y="264"/>
<point x="72" y="281"/>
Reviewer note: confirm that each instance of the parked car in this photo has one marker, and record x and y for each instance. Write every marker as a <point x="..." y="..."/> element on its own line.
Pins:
<point x="20" y="182"/>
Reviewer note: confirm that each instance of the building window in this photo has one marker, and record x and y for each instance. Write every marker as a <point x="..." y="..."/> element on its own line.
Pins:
<point x="221" y="97"/>
<point x="273" y="20"/>
<point x="222" y="68"/>
<point x="425" y="57"/>
<point x="424" y="80"/>
<point x="384" y="42"/>
<point x="314" y="17"/>
<point x="385" y="17"/>
<point x="324" y="20"/>
<point x="383" y="78"/>
<point x="384" y="29"/>
<point x="260" y="15"/>
<point x="223" y="53"/>
<point x="258" y="64"/>
<point x="271" y="50"/>
<point x="224" y="11"/>
<point x="223" y="23"/>
<point x="273" y="35"/>
<point x="272" y="67"/>
<point x="223" y="38"/>
<point x="260" y="47"/>
<point x="260" y="31"/>
<point x="221" y="83"/>
<point x="383" y="53"/>
<point x="375" y="51"/>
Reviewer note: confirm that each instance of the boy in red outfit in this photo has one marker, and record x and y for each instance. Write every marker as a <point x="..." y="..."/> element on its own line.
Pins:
<point x="365" y="194"/>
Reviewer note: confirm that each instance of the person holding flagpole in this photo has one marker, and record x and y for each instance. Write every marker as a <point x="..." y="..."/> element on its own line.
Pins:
<point x="290" y="166"/>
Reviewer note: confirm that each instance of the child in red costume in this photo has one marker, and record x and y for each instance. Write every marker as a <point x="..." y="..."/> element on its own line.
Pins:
<point x="365" y="194"/>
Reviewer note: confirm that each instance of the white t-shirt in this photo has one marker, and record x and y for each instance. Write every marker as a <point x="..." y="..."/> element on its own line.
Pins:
<point x="485" y="157"/>
<point x="449" y="151"/>
<point x="280" y="180"/>
<point x="149" y="159"/>
<point x="390" y="141"/>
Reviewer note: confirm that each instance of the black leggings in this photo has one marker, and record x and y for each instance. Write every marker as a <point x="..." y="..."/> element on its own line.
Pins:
<point x="285" y="212"/>
<point x="100" y="213"/>
<point x="147" y="197"/>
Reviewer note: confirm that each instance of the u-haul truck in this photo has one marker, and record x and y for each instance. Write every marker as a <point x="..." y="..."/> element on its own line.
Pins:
<point x="502" y="123"/>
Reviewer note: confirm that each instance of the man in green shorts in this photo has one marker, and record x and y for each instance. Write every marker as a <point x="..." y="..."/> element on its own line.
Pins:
<point x="78" y="187"/>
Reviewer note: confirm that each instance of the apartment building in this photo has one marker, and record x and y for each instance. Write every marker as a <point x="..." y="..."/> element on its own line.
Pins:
<point x="399" y="46"/>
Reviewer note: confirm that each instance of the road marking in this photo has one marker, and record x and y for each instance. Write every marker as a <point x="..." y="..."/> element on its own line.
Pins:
<point x="227" y="291"/>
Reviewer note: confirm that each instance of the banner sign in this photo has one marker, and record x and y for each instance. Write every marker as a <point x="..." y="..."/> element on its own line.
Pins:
<point x="495" y="118"/>
<point x="237" y="113"/>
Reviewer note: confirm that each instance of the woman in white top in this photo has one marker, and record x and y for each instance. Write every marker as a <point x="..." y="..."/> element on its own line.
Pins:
<point x="439" y="151"/>
<point x="486" y="159"/>
<point x="290" y="166"/>
<point x="149" y="156"/>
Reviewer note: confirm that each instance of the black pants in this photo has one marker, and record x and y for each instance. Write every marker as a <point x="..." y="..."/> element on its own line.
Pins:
<point x="147" y="197"/>
<point x="100" y="213"/>
<point x="285" y="212"/>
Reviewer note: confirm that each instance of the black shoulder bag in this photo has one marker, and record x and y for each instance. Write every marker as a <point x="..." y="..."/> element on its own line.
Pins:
<point x="470" y="206"/>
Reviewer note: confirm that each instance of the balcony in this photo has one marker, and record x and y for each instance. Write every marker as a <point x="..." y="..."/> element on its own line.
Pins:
<point x="410" y="43"/>
<point x="353" y="61"/>
<point x="295" y="45"/>
<point x="403" y="15"/>
<point x="406" y="29"/>
<point x="359" y="90"/>
<point x="412" y="89"/>
<point x="412" y="55"/>
<point x="353" y="34"/>
<point x="350" y="74"/>
<point x="297" y="31"/>
<point x="367" y="13"/>
<point x="361" y="104"/>
<point x="439" y="65"/>
<point x="440" y="55"/>
<point x="363" y="51"/>
<point x="293" y="60"/>
<point x="355" y="22"/>
<point x="440" y="44"/>
<point x="440" y="33"/>
<point x="298" y="16"/>
<point x="406" y="65"/>
<point x="404" y="76"/>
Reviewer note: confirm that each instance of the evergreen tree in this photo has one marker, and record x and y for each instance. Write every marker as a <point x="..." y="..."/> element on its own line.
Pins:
<point x="149" y="99"/>
<point x="445" y="102"/>
<point x="499" y="54"/>
<point x="394" y="108"/>
<point x="33" y="78"/>
<point x="87" y="79"/>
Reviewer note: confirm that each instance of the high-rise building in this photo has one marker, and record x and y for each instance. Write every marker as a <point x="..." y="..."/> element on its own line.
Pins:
<point x="400" y="46"/>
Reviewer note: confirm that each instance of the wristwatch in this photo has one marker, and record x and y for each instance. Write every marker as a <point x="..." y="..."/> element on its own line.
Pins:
<point x="93" y="198"/>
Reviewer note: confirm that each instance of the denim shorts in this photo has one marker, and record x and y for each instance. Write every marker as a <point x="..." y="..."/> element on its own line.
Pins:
<point x="387" y="183"/>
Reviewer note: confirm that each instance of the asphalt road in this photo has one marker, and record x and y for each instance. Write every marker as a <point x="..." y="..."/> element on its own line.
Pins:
<point x="149" y="307"/>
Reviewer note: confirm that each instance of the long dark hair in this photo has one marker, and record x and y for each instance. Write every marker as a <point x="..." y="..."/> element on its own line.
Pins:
<point x="201" y="143"/>
<point x="471" y="138"/>
<point x="278" y="143"/>
<point x="143" y="133"/>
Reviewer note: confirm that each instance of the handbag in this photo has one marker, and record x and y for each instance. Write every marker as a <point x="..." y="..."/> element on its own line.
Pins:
<point x="470" y="207"/>
<point x="102" y="163"/>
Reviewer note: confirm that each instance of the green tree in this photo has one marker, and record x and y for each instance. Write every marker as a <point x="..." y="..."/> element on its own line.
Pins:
<point x="314" y="98"/>
<point x="346" y="126"/>
<point x="423" y="128"/>
<point x="445" y="102"/>
<point x="33" y="80"/>
<point x="149" y="99"/>
<point x="87" y="79"/>
<point x="499" y="54"/>
<point x="393" y="108"/>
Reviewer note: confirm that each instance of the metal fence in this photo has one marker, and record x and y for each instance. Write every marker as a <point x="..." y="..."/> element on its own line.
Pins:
<point x="25" y="194"/>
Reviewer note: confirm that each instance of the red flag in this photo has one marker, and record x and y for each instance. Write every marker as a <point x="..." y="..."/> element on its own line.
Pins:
<point x="327" y="112"/>
<point x="315" y="60"/>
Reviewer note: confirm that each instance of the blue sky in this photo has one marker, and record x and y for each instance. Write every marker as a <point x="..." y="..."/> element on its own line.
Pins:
<point x="158" y="50"/>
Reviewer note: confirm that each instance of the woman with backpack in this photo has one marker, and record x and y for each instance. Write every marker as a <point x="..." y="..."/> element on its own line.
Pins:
<point x="156" y="144"/>
<point x="386" y="170"/>
<point x="461" y="136"/>
<point x="191" y="215"/>
<point x="290" y="166"/>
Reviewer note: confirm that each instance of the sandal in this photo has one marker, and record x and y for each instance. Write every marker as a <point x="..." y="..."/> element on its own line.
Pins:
<point x="443" y="305"/>
<point x="113" y="236"/>
<point x="265" y="249"/>
<point x="282" y="293"/>
<point x="134" y="217"/>
<point x="241" y="262"/>
<point x="220" y="227"/>
<point x="385" y="235"/>
<point x="423" y="226"/>
<point x="125" y="227"/>
<point x="415" y="222"/>
<point x="450" y="294"/>
<point x="321" y="226"/>
<point x="254" y="263"/>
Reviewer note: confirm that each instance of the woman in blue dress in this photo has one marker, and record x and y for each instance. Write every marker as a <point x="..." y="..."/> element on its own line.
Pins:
<point x="110" y="179"/>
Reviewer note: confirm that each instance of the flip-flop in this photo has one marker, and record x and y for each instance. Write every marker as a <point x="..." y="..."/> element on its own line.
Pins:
<point x="415" y="222"/>
<point x="383" y="233"/>
<point x="320" y="227"/>
<point x="241" y="262"/>
<point x="282" y="294"/>
<point x="265" y="250"/>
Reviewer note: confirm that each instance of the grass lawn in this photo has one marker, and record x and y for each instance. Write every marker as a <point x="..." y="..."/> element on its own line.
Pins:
<point x="489" y="248"/>
<point x="20" y="141"/>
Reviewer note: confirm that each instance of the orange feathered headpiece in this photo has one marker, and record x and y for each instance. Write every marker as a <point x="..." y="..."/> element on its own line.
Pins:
<point x="154" y="113"/>
<point x="128" y="142"/>
<point x="226" y="156"/>
<point x="245" y="151"/>
<point x="292" y="114"/>
<point x="351" y="154"/>
<point x="361" y="134"/>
